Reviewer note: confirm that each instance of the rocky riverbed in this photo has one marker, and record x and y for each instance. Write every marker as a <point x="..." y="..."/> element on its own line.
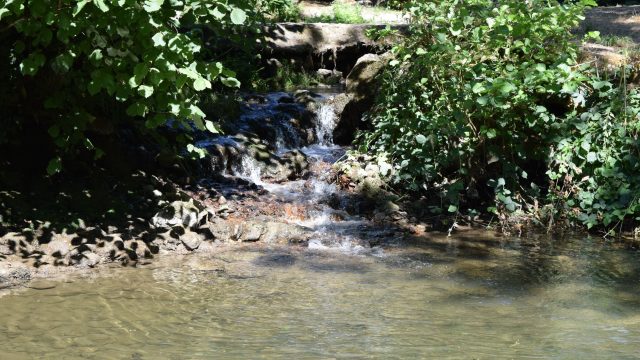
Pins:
<point x="270" y="179"/>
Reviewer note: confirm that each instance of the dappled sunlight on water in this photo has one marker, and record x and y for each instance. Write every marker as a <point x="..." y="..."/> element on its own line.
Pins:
<point x="466" y="297"/>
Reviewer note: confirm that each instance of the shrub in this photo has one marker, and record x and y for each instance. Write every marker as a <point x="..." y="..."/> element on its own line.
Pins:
<point x="486" y="104"/>
<point x="595" y="164"/>
<point x="76" y="65"/>
<point x="476" y="95"/>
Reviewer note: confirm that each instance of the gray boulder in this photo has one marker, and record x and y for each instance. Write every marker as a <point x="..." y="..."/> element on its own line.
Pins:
<point x="187" y="214"/>
<point x="363" y="83"/>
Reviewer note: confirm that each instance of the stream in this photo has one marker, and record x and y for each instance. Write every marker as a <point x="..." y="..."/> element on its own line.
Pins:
<point x="357" y="289"/>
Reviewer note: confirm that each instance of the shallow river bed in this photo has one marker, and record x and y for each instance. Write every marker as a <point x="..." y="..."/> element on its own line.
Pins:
<point x="471" y="296"/>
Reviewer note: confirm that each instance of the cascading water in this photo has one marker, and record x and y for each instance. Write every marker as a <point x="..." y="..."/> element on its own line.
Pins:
<point x="325" y="124"/>
<point x="249" y="169"/>
<point x="334" y="229"/>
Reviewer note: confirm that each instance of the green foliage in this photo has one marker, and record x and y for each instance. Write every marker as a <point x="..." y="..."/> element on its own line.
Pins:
<point x="347" y="13"/>
<point x="342" y="13"/>
<point x="81" y="62"/>
<point x="279" y="10"/>
<point x="486" y="96"/>
<point x="473" y="91"/>
<point x="290" y="77"/>
<point x="595" y="165"/>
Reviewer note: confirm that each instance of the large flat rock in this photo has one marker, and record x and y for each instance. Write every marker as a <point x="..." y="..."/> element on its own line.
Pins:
<point x="300" y="38"/>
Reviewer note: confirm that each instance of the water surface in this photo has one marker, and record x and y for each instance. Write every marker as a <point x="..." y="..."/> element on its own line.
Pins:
<point x="471" y="296"/>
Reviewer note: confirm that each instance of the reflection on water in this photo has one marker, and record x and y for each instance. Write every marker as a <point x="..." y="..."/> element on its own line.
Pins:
<point x="465" y="297"/>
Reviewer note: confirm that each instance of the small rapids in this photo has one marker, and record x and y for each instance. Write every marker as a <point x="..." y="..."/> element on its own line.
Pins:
<point x="316" y="198"/>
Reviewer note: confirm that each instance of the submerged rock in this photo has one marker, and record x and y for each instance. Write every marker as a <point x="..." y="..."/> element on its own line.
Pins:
<point x="13" y="274"/>
<point x="191" y="240"/>
<point x="251" y="231"/>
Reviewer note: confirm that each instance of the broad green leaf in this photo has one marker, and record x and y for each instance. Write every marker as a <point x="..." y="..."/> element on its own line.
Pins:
<point x="32" y="64"/>
<point x="238" y="16"/>
<point x="421" y="139"/>
<point x="478" y="88"/>
<point x="201" y="83"/>
<point x="3" y="11"/>
<point x="79" y="6"/>
<point x="63" y="62"/>
<point x="218" y="14"/>
<point x="231" y="82"/>
<point x="137" y="109"/>
<point x="158" y="40"/>
<point x="592" y="157"/>
<point x="211" y="127"/>
<point x="101" y="5"/>
<point x="153" y="5"/>
<point x="54" y="166"/>
<point x="196" y="113"/>
<point x="54" y="131"/>
<point x="452" y="208"/>
<point x="145" y="91"/>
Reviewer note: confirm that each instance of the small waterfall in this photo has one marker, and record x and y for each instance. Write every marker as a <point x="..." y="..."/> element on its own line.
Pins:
<point x="325" y="123"/>
<point x="249" y="169"/>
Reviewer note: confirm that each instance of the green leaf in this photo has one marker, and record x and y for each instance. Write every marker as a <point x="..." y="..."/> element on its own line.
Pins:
<point x="201" y="83"/>
<point x="492" y="133"/>
<point x="32" y="64"/>
<point x="101" y="5"/>
<point x="3" y="11"/>
<point x="197" y="114"/>
<point x="452" y="208"/>
<point x="63" y="62"/>
<point x="79" y="6"/>
<point x="506" y="88"/>
<point x="158" y="40"/>
<point x="231" y="82"/>
<point x="153" y="5"/>
<point x="54" y="166"/>
<point x="137" y="109"/>
<point x="592" y="157"/>
<point x="421" y="139"/>
<point x="478" y="88"/>
<point x="238" y="16"/>
<point x="145" y="91"/>
<point x="211" y="127"/>
<point x="54" y="131"/>
<point x="421" y="51"/>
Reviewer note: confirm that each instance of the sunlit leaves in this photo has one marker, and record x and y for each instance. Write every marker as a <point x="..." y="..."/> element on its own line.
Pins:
<point x="479" y="90"/>
<point x="238" y="16"/>
<point x="101" y="5"/>
<point x="153" y="5"/>
<point x="97" y="55"/>
<point x="200" y="84"/>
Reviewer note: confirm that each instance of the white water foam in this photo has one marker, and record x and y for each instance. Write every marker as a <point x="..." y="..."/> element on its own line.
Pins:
<point x="249" y="169"/>
<point x="325" y="124"/>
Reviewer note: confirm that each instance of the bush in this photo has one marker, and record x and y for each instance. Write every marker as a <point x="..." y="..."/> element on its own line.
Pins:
<point x="476" y="96"/>
<point x="486" y="104"/>
<point x="595" y="165"/>
<point x="75" y="66"/>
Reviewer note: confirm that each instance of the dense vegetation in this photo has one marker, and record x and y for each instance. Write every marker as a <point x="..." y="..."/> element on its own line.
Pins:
<point x="488" y="104"/>
<point x="77" y="68"/>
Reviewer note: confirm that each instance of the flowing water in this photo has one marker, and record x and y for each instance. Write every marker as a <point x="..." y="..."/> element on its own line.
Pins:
<point x="356" y="290"/>
<point x="465" y="297"/>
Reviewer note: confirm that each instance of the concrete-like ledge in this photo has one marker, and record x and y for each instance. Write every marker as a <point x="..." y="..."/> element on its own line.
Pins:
<point x="300" y="38"/>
